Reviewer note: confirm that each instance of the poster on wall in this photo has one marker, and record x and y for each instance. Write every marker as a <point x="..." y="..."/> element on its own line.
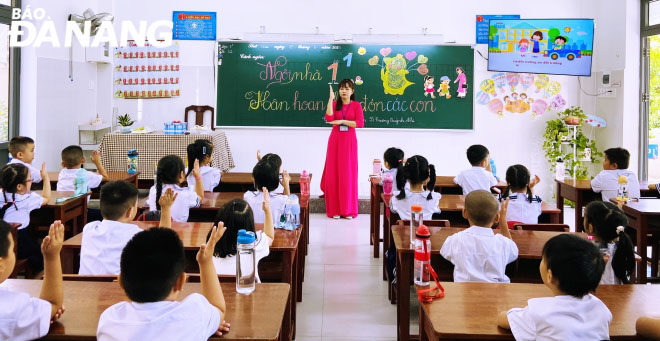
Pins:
<point x="483" y="28"/>
<point x="146" y="71"/>
<point x="193" y="25"/>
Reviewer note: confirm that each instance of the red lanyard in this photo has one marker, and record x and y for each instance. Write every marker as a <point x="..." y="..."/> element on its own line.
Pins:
<point x="421" y="294"/>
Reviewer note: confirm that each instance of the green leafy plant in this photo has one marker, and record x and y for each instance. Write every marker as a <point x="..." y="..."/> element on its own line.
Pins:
<point x="125" y="120"/>
<point x="552" y="142"/>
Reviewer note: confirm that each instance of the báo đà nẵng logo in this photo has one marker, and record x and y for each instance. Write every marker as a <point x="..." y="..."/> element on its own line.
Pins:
<point x="89" y="31"/>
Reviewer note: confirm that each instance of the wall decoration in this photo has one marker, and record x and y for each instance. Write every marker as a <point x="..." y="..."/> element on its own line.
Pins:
<point x="147" y="71"/>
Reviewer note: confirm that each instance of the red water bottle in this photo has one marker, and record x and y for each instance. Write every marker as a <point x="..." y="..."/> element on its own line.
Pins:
<point x="422" y="256"/>
<point x="304" y="184"/>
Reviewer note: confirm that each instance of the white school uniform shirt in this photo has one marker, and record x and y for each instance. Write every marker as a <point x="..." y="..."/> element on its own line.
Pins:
<point x="227" y="265"/>
<point x="186" y="199"/>
<point x="194" y="318"/>
<point x="608" y="275"/>
<point x="256" y="199"/>
<point x="607" y="183"/>
<point x="35" y="173"/>
<point x="67" y="178"/>
<point x="19" y="212"/>
<point x="102" y="244"/>
<point x="402" y="206"/>
<point x="475" y="178"/>
<point x="521" y="210"/>
<point x="23" y="317"/>
<point x="479" y="255"/>
<point x="561" y="318"/>
<point x="210" y="178"/>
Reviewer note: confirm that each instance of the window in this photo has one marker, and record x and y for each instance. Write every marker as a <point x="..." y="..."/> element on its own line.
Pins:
<point x="654" y="13"/>
<point x="9" y="80"/>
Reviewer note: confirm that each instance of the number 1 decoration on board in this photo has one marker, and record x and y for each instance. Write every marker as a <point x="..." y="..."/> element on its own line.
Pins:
<point x="334" y="66"/>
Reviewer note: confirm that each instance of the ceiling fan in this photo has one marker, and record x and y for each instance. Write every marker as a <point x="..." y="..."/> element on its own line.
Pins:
<point x="95" y="22"/>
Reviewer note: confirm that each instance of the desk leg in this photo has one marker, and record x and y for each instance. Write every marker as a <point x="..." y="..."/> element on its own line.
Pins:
<point x="67" y="260"/>
<point x="560" y="203"/>
<point x="555" y="218"/>
<point x="300" y="273"/>
<point x="285" y="331"/>
<point x="372" y="200"/>
<point x="579" y="203"/>
<point x="403" y="295"/>
<point x="289" y="276"/>
<point x="642" y="244"/>
<point x="376" y="223"/>
<point x="386" y="239"/>
<point x="81" y="220"/>
<point x="423" y="336"/>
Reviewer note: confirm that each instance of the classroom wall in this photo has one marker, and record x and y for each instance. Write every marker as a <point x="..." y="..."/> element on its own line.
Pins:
<point x="514" y="139"/>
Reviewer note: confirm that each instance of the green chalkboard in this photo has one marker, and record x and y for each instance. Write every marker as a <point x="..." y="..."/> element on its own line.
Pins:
<point x="286" y="84"/>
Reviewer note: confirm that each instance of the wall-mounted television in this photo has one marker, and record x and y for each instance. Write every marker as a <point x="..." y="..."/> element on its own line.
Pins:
<point x="550" y="46"/>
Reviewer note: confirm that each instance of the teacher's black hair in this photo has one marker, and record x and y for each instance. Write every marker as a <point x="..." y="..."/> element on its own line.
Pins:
<point x="416" y="170"/>
<point x="345" y="83"/>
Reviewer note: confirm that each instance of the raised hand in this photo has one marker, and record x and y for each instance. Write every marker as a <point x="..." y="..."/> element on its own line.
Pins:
<point x="167" y="198"/>
<point x="205" y="253"/>
<point x="266" y="204"/>
<point x="196" y="172"/>
<point x="332" y="93"/>
<point x="52" y="244"/>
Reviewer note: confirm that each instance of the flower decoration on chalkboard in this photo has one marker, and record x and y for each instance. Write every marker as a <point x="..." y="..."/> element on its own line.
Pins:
<point x="373" y="61"/>
<point x="423" y="69"/>
<point x="362" y="51"/>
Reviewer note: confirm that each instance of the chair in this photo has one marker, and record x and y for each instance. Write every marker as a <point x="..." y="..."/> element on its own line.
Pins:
<point x="199" y="114"/>
<point x="22" y="265"/>
<point x="542" y="227"/>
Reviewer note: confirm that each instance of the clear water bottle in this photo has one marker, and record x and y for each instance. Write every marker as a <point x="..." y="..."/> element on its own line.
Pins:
<point x="421" y="274"/>
<point x="80" y="185"/>
<point x="304" y="183"/>
<point x="560" y="170"/>
<point x="622" y="191"/>
<point x="295" y="211"/>
<point x="132" y="161"/>
<point x="245" y="263"/>
<point x="415" y="221"/>
<point x="493" y="169"/>
<point x="377" y="167"/>
<point x="387" y="184"/>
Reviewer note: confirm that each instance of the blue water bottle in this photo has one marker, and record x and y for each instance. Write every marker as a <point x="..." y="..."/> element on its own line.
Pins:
<point x="132" y="161"/>
<point x="80" y="185"/>
<point x="493" y="168"/>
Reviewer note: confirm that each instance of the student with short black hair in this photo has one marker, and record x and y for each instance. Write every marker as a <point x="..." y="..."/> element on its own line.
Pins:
<point x="524" y="206"/>
<point x="606" y="223"/>
<point x="202" y="151"/>
<point x="265" y="174"/>
<point x="572" y="268"/>
<point x="103" y="241"/>
<point x="478" y="254"/>
<point x="152" y="277"/>
<point x="421" y="176"/>
<point x="171" y="173"/>
<point x="21" y="149"/>
<point x="277" y="161"/>
<point x="24" y="317"/>
<point x="480" y="175"/>
<point x="72" y="161"/>
<point x="615" y="166"/>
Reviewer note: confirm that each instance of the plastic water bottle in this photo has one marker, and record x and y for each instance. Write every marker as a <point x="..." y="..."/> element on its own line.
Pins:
<point x="304" y="184"/>
<point x="132" y="161"/>
<point x="415" y="221"/>
<point x="295" y="211"/>
<point x="421" y="274"/>
<point x="622" y="191"/>
<point x="560" y="170"/>
<point x="377" y="167"/>
<point x="245" y="262"/>
<point x="80" y="186"/>
<point x="493" y="169"/>
<point x="387" y="184"/>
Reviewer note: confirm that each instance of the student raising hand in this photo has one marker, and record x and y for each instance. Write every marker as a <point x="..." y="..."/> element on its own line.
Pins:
<point x="286" y="179"/>
<point x="208" y="277"/>
<point x="166" y="201"/>
<point x="269" y="225"/>
<point x="258" y="154"/>
<point x="51" y="288"/>
<point x="504" y="227"/>
<point x="199" y="186"/>
<point x="205" y="253"/>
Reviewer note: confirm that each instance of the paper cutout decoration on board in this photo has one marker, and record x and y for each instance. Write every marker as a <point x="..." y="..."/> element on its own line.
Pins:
<point x="488" y="86"/>
<point x="411" y="55"/>
<point x="373" y="61"/>
<point x="516" y="103"/>
<point x="539" y="107"/>
<point x="358" y="80"/>
<point x="443" y="88"/>
<point x="362" y="51"/>
<point x="495" y="106"/>
<point x="385" y="51"/>
<point x="429" y="86"/>
<point x="512" y="79"/>
<point x="499" y="80"/>
<point x="461" y="92"/>
<point x="552" y="89"/>
<point x="146" y="71"/>
<point x="541" y="82"/>
<point x="558" y="103"/>
<point x="526" y="80"/>
<point x="423" y="70"/>
<point x="394" y="74"/>
<point x="482" y="98"/>
<point x="596" y="121"/>
<point x="422" y="59"/>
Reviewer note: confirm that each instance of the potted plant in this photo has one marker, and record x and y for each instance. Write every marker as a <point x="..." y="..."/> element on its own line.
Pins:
<point x="125" y="122"/>
<point x="557" y="132"/>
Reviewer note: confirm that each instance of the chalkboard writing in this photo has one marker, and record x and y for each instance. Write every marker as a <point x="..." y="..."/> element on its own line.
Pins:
<point x="398" y="86"/>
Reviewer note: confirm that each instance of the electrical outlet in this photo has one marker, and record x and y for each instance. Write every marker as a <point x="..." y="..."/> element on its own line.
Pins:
<point x="607" y="92"/>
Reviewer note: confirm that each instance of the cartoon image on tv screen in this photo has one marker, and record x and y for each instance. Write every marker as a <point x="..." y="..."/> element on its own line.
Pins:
<point x="549" y="46"/>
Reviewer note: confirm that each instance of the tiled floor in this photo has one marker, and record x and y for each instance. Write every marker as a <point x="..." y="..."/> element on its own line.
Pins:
<point x="344" y="296"/>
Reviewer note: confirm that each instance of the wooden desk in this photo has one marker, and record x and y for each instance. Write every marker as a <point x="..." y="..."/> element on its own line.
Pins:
<point x="285" y="247"/>
<point x="640" y="214"/>
<point x="71" y="212"/>
<point x="470" y="310"/>
<point x="242" y="181"/>
<point x="581" y="194"/>
<point x="85" y="301"/>
<point x="207" y="210"/>
<point x="443" y="184"/>
<point x="530" y="246"/>
<point x="112" y="176"/>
